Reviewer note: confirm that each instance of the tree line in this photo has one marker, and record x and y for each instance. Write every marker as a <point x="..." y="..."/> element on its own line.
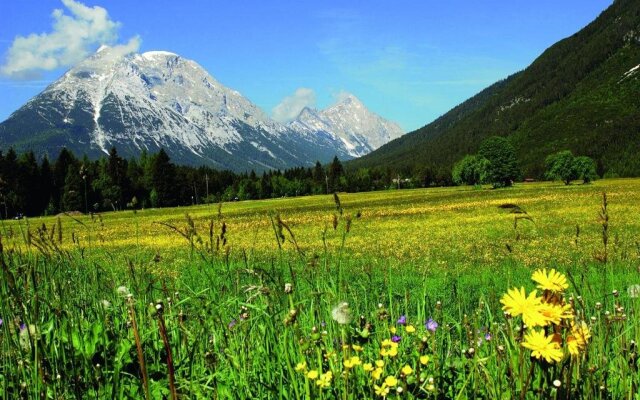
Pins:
<point x="496" y="163"/>
<point x="29" y="186"/>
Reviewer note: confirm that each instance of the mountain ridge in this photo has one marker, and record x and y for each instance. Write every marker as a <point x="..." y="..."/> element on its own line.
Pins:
<point x="155" y="100"/>
<point x="573" y="96"/>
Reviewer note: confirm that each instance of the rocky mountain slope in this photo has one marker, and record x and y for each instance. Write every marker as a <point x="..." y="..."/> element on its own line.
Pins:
<point x="160" y="100"/>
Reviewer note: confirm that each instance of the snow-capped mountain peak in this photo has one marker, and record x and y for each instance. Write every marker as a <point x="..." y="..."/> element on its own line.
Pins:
<point x="350" y="122"/>
<point x="159" y="99"/>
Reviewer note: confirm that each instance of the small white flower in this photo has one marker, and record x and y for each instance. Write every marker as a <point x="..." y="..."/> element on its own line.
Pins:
<point x="123" y="291"/>
<point x="557" y="383"/>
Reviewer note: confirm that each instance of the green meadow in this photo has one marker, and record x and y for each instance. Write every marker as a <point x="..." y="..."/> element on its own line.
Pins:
<point x="388" y="294"/>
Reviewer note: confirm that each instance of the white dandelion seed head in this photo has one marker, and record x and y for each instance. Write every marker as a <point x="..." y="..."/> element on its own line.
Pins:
<point x="634" y="291"/>
<point x="341" y="313"/>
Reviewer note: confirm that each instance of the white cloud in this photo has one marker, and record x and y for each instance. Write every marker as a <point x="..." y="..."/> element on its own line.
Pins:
<point x="290" y="106"/>
<point x="71" y="39"/>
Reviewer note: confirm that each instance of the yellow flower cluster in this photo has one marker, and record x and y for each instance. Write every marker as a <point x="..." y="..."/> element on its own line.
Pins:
<point x="548" y="311"/>
<point x="389" y="383"/>
<point x="389" y="348"/>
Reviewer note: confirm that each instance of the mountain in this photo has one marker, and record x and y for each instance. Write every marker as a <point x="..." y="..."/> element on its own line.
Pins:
<point x="582" y="94"/>
<point x="348" y="122"/>
<point x="159" y="100"/>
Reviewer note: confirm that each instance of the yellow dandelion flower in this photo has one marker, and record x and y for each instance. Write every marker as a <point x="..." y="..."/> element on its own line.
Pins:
<point x="379" y="363"/>
<point x="368" y="367"/>
<point x="516" y="302"/>
<point x="542" y="346"/>
<point x="377" y="373"/>
<point x="410" y="329"/>
<point x="553" y="281"/>
<point x="573" y="346"/>
<point x="407" y="370"/>
<point x="356" y="347"/>
<point x="382" y="391"/>
<point x="579" y="338"/>
<point x="424" y="360"/>
<point x="313" y="374"/>
<point x="554" y="313"/>
<point x="301" y="366"/>
<point x="391" y="381"/>
<point x="581" y="332"/>
<point x="393" y="330"/>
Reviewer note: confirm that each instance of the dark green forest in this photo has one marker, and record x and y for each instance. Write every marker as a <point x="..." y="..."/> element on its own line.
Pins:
<point x="30" y="187"/>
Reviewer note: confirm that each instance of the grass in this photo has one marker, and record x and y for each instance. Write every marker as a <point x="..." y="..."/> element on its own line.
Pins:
<point x="243" y="301"/>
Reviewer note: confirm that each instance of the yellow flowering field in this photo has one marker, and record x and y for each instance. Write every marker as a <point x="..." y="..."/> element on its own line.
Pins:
<point x="551" y="222"/>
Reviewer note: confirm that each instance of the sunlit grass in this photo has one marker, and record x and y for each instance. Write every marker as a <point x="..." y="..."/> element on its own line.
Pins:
<point x="248" y="315"/>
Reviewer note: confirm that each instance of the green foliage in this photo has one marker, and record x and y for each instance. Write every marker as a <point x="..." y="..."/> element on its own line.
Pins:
<point x="565" y="167"/>
<point x="502" y="169"/>
<point x="241" y="324"/>
<point x="561" y="166"/>
<point x="471" y="170"/>
<point x="585" y="168"/>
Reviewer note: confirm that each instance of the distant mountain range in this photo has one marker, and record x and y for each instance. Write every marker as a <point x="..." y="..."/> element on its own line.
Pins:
<point x="160" y="100"/>
<point x="582" y="94"/>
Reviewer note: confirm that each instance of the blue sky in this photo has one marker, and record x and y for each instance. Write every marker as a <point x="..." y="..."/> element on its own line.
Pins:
<point x="409" y="61"/>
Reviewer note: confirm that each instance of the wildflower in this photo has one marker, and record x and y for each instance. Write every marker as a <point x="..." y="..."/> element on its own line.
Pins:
<point x="356" y="347"/>
<point x="402" y="320"/>
<point x="288" y="288"/>
<point x="123" y="291"/>
<point x="389" y="348"/>
<point x="406" y="370"/>
<point x="232" y="324"/>
<point x="553" y="281"/>
<point x="391" y="381"/>
<point x="324" y="381"/>
<point x="377" y="373"/>
<point x="396" y="339"/>
<point x="410" y="329"/>
<point x="352" y="362"/>
<point x="634" y="291"/>
<point x="379" y="363"/>
<point x="1" y="322"/>
<point x="578" y="339"/>
<point x="431" y="388"/>
<point x="301" y="366"/>
<point x="313" y="374"/>
<point x="557" y="383"/>
<point x="516" y="302"/>
<point x="105" y="304"/>
<point x="367" y="367"/>
<point x="555" y="313"/>
<point x="424" y="360"/>
<point x="431" y="325"/>
<point x="381" y="390"/>
<point x="341" y="313"/>
<point x="542" y="346"/>
<point x="487" y="337"/>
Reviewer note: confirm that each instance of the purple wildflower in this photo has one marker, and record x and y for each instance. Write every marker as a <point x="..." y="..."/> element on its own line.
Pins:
<point x="431" y="325"/>
<point x="396" y="338"/>
<point x="323" y="324"/>
<point x="402" y="320"/>
<point x="232" y="324"/>
<point x="487" y="337"/>
<point x="23" y="326"/>
<point x="1" y="321"/>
